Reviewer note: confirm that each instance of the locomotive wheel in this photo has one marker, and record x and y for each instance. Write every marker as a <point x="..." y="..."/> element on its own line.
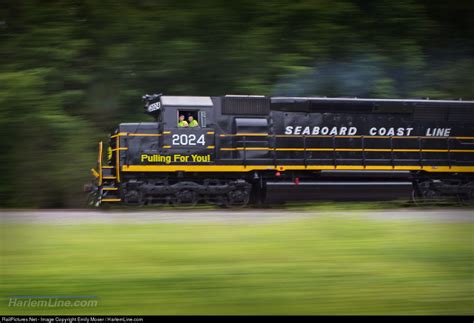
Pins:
<point x="185" y="198"/>
<point x="431" y="195"/>
<point x="134" y="197"/>
<point x="427" y="197"/>
<point x="416" y="198"/>
<point x="237" y="198"/>
<point x="467" y="199"/>
<point x="93" y="198"/>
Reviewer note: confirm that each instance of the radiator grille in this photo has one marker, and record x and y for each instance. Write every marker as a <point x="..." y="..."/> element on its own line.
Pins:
<point x="246" y="105"/>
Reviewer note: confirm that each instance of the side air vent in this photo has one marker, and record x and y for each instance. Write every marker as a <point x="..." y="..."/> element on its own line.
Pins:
<point x="431" y="114"/>
<point x="239" y="105"/>
<point x="461" y="114"/>
<point x="340" y="106"/>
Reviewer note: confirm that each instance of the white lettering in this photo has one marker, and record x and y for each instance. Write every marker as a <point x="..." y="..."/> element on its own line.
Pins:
<point x="187" y="140"/>
<point x="333" y="131"/>
<point x="438" y="132"/>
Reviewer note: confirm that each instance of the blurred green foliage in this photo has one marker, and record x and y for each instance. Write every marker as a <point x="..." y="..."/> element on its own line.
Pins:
<point x="321" y="265"/>
<point x="71" y="70"/>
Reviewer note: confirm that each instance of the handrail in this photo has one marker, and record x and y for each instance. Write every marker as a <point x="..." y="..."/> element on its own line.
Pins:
<point x="342" y="136"/>
<point x="391" y="151"/>
<point x="117" y="158"/>
<point x="215" y="143"/>
<point x="363" y="151"/>
<point x="408" y="150"/>
<point x="99" y="162"/>
<point x="245" y="151"/>
<point x="274" y="150"/>
<point x="420" y="149"/>
<point x="126" y="134"/>
<point x="304" y="152"/>
<point x="449" y="151"/>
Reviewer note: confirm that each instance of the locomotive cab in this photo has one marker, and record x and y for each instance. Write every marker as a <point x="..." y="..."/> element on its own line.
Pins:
<point x="191" y="138"/>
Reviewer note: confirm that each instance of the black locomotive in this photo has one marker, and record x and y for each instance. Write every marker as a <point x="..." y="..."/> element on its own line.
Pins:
<point x="239" y="145"/>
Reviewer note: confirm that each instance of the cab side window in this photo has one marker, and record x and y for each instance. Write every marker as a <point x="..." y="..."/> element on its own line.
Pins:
<point x="202" y="119"/>
<point x="188" y="118"/>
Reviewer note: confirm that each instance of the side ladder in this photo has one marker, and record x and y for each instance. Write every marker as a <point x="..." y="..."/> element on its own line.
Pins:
<point x="107" y="182"/>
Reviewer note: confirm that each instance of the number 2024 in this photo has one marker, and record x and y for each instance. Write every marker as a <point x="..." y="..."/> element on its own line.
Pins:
<point x="188" y="140"/>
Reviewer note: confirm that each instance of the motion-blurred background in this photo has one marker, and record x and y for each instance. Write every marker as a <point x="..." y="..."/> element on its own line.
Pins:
<point x="71" y="70"/>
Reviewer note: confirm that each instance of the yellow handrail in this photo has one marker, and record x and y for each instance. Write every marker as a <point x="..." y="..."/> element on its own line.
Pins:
<point x="117" y="158"/>
<point x="100" y="163"/>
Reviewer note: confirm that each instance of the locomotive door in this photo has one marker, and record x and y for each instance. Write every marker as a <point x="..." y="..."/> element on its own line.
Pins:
<point x="251" y="140"/>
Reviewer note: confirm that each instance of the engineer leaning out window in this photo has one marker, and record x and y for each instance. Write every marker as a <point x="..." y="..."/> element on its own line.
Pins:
<point x="181" y="122"/>
<point x="192" y="122"/>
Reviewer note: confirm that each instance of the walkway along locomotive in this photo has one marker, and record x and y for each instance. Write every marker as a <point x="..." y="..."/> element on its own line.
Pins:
<point x="243" y="143"/>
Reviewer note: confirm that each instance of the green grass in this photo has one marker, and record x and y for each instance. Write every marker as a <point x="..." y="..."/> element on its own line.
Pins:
<point x="324" y="265"/>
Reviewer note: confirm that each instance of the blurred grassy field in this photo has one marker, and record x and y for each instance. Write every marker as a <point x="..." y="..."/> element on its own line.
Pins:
<point x="323" y="265"/>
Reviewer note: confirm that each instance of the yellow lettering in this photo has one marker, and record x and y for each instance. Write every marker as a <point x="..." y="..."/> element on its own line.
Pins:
<point x="176" y="158"/>
<point x="180" y="158"/>
<point x="201" y="159"/>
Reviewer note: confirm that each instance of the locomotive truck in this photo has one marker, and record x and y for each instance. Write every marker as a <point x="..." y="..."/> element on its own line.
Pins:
<point x="244" y="144"/>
